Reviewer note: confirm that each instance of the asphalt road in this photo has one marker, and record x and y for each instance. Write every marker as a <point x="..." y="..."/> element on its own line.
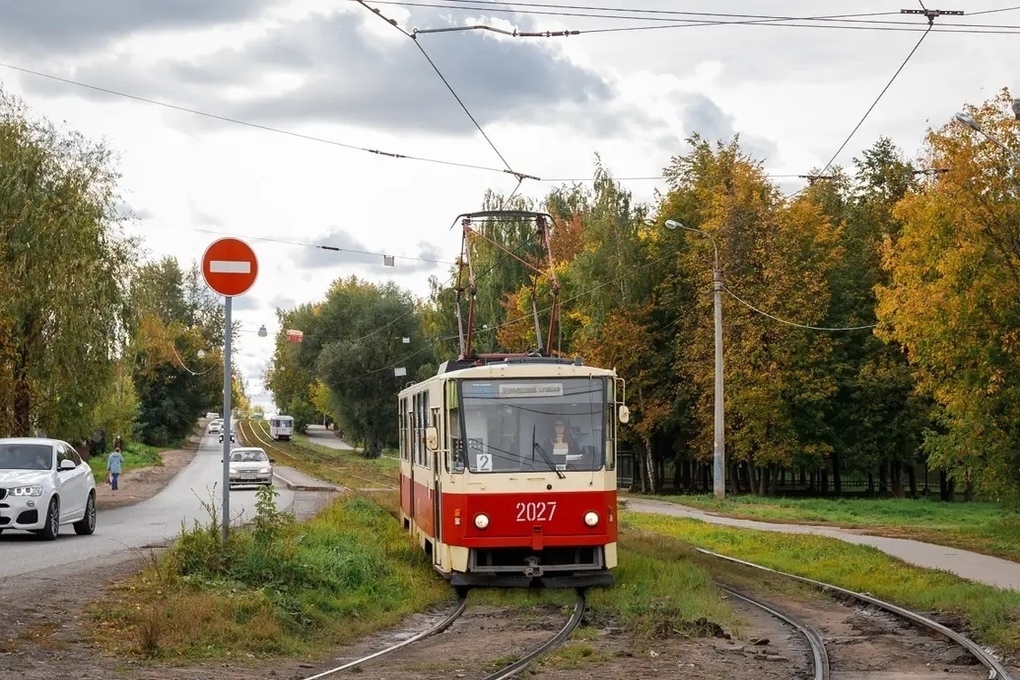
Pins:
<point x="150" y="522"/>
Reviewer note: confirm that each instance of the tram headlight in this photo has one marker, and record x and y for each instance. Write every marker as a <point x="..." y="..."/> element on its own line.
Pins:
<point x="591" y="518"/>
<point x="481" y="520"/>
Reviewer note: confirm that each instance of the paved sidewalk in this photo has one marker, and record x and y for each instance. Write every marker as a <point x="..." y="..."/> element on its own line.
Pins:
<point x="993" y="571"/>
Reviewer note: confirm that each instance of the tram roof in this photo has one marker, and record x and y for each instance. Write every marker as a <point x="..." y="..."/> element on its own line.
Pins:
<point x="515" y="366"/>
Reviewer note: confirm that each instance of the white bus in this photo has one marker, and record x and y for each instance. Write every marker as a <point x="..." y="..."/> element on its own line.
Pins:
<point x="281" y="427"/>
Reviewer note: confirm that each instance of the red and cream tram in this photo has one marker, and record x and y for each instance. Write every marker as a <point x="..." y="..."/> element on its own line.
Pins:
<point x="508" y="471"/>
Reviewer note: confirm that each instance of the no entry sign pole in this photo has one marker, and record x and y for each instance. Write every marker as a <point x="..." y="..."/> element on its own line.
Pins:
<point x="230" y="268"/>
<point x="227" y="413"/>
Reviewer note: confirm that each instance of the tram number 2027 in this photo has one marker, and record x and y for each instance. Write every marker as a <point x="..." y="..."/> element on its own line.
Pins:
<point x="536" y="512"/>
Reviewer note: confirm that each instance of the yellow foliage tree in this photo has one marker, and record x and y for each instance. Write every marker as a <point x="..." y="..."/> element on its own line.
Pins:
<point x="953" y="300"/>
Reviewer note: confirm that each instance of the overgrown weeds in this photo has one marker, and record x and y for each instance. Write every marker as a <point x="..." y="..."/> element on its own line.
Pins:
<point x="278" y="587"/>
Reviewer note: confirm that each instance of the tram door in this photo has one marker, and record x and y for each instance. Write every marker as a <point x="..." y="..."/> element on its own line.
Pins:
<point x="437" y="487"/>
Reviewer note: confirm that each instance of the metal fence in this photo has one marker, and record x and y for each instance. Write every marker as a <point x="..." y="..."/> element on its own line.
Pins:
<point x="788" y="482"/>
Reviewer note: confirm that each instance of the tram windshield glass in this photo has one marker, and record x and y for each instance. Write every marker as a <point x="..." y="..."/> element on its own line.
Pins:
<point x="532" y="424"/>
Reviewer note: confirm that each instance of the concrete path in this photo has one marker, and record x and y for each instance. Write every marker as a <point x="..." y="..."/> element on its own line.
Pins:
<point x="993" y="571"/>
<point x="324" y="437"/>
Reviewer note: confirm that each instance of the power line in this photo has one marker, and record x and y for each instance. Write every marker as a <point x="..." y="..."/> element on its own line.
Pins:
<point x="646" y="178"/>
<point x="249" y="124"/>
<point x="837" y="21"/>
<point x="877" y="99"/>
<point x="336" y="249"/>
<point x="449" y="87"/>
<point x="587" y="12"/>
<point x="791" y="323"/>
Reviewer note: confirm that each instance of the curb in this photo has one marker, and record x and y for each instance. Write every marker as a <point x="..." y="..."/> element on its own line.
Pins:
<point x="292" y="486"/>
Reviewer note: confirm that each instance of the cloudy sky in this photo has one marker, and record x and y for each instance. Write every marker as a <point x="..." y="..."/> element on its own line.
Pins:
<point x="296" y="93"/>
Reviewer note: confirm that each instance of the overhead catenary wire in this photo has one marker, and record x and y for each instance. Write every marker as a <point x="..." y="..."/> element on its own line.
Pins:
<point x="319" y="246"/>
<point x="877" y="100"/>
<point x="250" y="124"/>
<point x="435" y="340"/>
<point x="449" y="87"/>
<point x="665" y="21"/>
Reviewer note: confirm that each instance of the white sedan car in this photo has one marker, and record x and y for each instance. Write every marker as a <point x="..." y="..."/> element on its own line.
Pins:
<point x="44" y="484"/>
<point x="250" y="465"/>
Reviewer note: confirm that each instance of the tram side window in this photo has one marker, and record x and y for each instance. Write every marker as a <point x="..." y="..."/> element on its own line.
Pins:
<point x="402" y="427"/>
<point x="415" y="430"/>
<point x="421" y="416"/>
<point x="456" y="452"/>
<point x="610" y="455"/>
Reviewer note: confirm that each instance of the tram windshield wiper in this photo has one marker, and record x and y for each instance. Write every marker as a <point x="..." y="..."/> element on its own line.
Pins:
<point x="535" y="446"/>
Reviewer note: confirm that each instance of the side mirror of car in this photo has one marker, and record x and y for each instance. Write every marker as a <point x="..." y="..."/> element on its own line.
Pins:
<point x="67" y="464"/>
<point x="272" y="460"/>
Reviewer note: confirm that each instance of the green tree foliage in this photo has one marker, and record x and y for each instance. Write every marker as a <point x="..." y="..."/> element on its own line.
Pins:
<point x="360" y="335"/>
<point x="175" y="317"/>
<point x="953" y="291"/>
<point x="291" y="374"/>
<point x="775" y="256"/>
<point x="876" y="418"/>
<point x="64" y="262"/>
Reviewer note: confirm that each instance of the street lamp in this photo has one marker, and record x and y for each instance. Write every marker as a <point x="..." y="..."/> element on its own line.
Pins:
<point x="719" y="447"/>
<point x="964" y="119"/>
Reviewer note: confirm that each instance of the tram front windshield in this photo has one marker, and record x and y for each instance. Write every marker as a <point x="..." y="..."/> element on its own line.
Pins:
<point x="540" y="425"/>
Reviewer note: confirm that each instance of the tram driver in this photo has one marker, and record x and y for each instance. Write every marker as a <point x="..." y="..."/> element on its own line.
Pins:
<point x="562" y="444"/>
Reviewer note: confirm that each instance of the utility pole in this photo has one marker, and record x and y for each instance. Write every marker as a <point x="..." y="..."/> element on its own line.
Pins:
<point x="719" y="420"/>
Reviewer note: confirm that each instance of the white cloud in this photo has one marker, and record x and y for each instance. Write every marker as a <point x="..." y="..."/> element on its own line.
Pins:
<point x="793" y="94"/>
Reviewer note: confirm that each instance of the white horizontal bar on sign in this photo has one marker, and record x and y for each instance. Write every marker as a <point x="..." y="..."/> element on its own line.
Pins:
<point x="229" y="267"/>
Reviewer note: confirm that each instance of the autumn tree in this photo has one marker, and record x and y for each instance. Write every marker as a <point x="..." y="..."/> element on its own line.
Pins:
<point x="64" y="262"/>
<point x="953" y="296"/>
<point x="175" y="350"/>
<point x="609" y="316"/>
<point x="774" y="257"/>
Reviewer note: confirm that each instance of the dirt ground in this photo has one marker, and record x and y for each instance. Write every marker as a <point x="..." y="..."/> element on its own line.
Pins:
<point x="50" y="641"/>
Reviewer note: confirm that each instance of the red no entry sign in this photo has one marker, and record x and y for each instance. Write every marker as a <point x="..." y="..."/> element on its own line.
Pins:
<point x="230" y="266"/>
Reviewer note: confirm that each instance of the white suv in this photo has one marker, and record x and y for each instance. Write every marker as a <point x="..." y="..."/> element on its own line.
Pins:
<point x="44" y="484"/>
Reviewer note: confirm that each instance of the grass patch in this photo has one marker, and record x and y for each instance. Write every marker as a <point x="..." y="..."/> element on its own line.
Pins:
<point x="136" y="455"/>
<point x="346" y="468"/>
<point x="280" y="588"/>
<point x="987" y="528"/>
<point x="991" y="615"/>
<point x="661" y="591"/>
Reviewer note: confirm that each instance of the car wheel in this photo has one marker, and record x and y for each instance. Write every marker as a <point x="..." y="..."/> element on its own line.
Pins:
<point x="87" y="525"/>
<point x="52" y="528"/>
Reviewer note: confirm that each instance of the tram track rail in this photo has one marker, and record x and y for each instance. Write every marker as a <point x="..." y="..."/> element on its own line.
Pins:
<point x="996" y="671"/>
<point x="819" y="655"/>
<point x="555" y="641"/>
<point x="257" y="431"/>
<point x="508" y="671"/>
<point x="434" y="630"/>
